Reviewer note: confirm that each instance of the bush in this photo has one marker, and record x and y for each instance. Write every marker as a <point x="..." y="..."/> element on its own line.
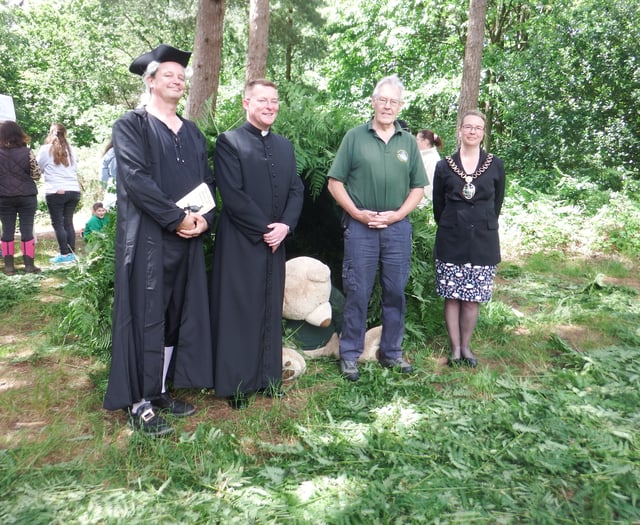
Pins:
<point x="618" y="226"/>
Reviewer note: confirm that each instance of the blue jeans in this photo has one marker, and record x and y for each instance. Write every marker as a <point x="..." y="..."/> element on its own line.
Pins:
<point x="61" y="208"/>
<point x="365" y="250"/>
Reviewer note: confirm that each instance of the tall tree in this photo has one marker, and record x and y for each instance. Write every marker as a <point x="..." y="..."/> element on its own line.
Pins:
<point x="472" y="57"/>
<point x="207" y="58"/>
<point x="296" y="38"/>
<point x="258" y="45"/>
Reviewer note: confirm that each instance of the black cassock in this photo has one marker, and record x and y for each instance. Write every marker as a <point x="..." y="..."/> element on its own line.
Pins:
<point x="155" y="169"/>
<point x="259" y="185"/>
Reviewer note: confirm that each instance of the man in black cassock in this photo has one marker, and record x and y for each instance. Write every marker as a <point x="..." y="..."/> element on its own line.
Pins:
<point x="161" y="326"/>
<point x="262" y="196"/>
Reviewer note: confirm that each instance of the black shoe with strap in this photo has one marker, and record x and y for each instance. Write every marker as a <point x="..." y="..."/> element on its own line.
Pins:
<point x="147" y="421"/>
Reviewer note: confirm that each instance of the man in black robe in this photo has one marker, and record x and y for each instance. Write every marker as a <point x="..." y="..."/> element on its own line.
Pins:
<point x="262" y="198"/>
<point x="161" y="326"/>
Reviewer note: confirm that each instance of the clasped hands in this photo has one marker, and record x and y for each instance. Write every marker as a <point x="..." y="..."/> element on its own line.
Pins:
<point x="377" y="219"/>
<point x="278" y="233"/>
<point x="192" y="225"/>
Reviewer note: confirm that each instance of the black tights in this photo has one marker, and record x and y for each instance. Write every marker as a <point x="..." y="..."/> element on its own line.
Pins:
<point x="461" y="318"/>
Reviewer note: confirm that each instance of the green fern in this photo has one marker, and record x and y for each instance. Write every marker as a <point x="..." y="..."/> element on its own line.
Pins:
<point x="87" y="316"/>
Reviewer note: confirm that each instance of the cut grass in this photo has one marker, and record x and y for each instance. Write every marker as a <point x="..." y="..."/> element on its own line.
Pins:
<point x="544" y="431"/>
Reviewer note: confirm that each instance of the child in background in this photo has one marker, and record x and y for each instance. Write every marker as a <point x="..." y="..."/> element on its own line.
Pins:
<point x="96" y="222"/>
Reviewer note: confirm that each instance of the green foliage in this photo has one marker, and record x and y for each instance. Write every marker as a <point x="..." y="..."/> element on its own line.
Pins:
<point x="585" y="221"/>
<point x="578" y="66"/>
<point x="315" y="128"/>
<point x="618" y="226"/>
<point x="537" y="222"/>
<point x="87" y="315"/>
<point x="424" y="309"/>
<point x="543" y="431"/>
<point x="295" y="44"/>
<point x="17" y="288"/>
<point x="556" y="447"/>
<point x="69" y="60"/>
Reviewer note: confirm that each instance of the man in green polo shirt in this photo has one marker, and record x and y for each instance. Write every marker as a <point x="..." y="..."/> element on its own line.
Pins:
<point x="377" y="178"/>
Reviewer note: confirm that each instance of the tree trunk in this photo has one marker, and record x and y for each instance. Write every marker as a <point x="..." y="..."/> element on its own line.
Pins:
<point x="206" y="60"/>
<point x="289" y="47"/>
<point x="472" y="57"/>
<point x="258" y="39"/>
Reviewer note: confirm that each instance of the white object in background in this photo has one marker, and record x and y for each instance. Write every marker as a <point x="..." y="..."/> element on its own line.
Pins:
<point x="7" y="111"/>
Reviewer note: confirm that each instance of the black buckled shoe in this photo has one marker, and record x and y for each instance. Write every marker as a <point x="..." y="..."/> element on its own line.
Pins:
<point x="149" y="422"/>
<point x="399" y="364"/>
<point x="176" y="407"/>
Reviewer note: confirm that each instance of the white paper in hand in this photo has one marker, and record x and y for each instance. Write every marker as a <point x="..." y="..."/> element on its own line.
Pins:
<point x="199" y="200"/>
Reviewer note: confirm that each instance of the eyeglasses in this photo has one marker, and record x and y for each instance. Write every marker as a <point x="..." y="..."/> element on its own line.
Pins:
<point x="468" y="128"/>
<point x="264" y="101"/>
<point x="393" y="102"/>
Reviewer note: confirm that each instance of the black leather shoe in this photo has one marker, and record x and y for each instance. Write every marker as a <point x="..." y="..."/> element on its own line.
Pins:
<point x="165" y="403"/>
<point x="238" y="402"/>
<point x="471" y="362"/>
<point x="149" y="422"/>
<point x="454" y="363"/>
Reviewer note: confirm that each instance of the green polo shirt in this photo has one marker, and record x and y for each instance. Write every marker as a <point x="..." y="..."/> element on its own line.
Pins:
<point x="378" y="176"/>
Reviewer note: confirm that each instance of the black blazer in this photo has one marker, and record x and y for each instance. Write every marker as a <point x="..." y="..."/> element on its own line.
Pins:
<point x="468" y="228"/>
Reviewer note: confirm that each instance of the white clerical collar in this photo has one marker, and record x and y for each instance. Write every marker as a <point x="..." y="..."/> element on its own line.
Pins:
<point x="264" y="133"/>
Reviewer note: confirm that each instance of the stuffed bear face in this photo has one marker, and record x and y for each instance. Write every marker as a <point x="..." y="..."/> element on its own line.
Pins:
<point x="307" y="290"/>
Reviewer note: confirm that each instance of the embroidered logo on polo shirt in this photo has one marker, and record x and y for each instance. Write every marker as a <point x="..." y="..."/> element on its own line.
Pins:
<point x="402" y="155"/>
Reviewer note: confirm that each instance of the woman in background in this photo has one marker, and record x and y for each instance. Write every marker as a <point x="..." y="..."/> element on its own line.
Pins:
<point x="58" y="164"/>
<point x="109" y="172"/>
<point x="18" y="195"/>
<point x="468" y="190"/>
<point x="429" y="145"/>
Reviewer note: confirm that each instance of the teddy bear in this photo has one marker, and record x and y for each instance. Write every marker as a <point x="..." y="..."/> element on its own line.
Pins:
<point x="312" y="312"/>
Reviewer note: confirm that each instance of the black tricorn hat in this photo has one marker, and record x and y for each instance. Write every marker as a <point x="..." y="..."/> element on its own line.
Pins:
<point x="162" y="53"/>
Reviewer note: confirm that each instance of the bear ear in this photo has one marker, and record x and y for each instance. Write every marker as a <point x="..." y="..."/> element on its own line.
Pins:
<point x="318" y="272"/>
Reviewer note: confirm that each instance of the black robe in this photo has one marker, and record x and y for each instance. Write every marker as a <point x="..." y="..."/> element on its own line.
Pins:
<point x="150" y="181"/>
<point x="259" y="185"/>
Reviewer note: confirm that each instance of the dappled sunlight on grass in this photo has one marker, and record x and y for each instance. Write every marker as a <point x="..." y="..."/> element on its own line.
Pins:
<point x="542" y="431"/>
<point x="398" y="417"/>
<point x="323" y="493"/>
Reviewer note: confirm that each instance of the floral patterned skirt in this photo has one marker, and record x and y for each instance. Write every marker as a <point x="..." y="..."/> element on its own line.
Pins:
<point x="466" y="282"/>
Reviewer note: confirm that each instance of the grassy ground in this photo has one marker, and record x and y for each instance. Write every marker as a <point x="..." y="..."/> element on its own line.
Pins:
<point x="544" y="430"/>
